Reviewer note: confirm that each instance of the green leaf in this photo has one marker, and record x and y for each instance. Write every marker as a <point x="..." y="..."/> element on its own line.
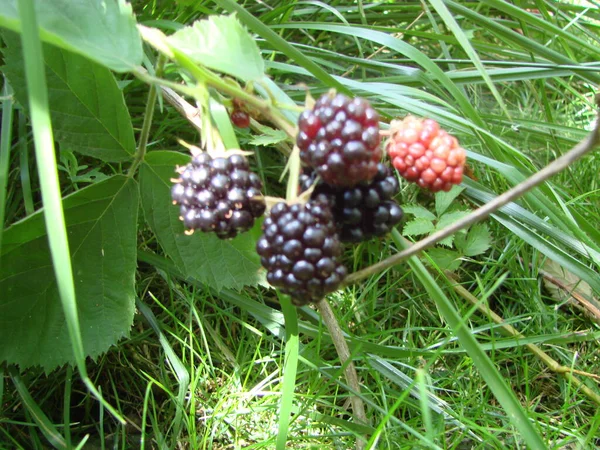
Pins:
<point x="102" y="227"/>
<point x="445" y="259"/>
<point x="221" y="43"/>
<point x="88" y="111"/>
<point x="269" y="137"/>
<point x="450" y="218"/>
<point x="477" y="240"/>
<point x="417" y="227"/>
<point x="444" y="199"/>
<point x="220" y="264"/>
<point x="420" y="212"/>
<point x="447" y="242"/>
<point x="101" y="30"/>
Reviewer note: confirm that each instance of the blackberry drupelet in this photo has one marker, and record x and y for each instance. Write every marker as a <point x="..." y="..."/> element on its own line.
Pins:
<point x="339" y="139"/>
<point x="364" y="211"/>
<point x="219" y="195"/>
<point x="301" y="251"/>
<point x="424" y="153"/>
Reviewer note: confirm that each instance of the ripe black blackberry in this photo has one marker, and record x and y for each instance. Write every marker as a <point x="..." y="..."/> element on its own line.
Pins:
<point x="363" y="211"/>
<point x="301" y="251"/>
<point x="218" y="195"/>
<point x="339" y="139"/>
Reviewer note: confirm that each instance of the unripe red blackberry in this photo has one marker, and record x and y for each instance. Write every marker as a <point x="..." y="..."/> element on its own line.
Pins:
<point x="301" y="251"/>
<point x="339" y="139"/>
<point x="364" y="211"/>
<point x="240" y="118"/>
<point x="218" y="195"/>
<point x="424" y="153"/>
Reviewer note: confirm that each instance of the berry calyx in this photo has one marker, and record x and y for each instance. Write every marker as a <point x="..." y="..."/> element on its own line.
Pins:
<point x="364" y="211"/>
<point x="339" y="139"/>
<point x="301" y="251"/>
<point x="240" y="118"/>
<point x="424" y="153"/>
<point x="218" y="195"/>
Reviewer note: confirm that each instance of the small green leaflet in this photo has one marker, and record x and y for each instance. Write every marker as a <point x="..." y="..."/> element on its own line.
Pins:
<point x="417" y="227"/>
<point x="269" y="137"/>
<point x="420" y="212"/>
<point x="476" y="242"/>
<point x="444" y="199"/>
<point x="221" y="43"/>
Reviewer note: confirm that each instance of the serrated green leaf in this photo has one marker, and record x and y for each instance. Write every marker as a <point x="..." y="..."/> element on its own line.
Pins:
<point x="269" y="137"/>
<point x="444" y="258"/>
<point x="444" y="199"/>
<point x="447" y="242"/>
<point x="223" y="44"/>
<point x="220" y="264"/>
<point x="477" y="241"/>
<point x="102" y="228"/>
<point x="418" y="211"/>
<point x="102" y="30"/>
<point x="417" y="227"/>
<point x="449" y="218"/>
<point x="88" y="110"/>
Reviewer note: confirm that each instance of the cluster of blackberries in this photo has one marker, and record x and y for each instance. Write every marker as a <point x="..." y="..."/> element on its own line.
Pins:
<point x="218" y="195"/>
<point x="300" y="248"/>
<point x="352" y="200"/>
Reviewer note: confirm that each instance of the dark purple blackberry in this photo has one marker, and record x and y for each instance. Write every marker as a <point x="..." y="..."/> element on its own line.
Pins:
<point x="301" y="251"/>
<point x="219" y="195"/>
<point x="339" y="139"/>
<point x="363" y="211"/>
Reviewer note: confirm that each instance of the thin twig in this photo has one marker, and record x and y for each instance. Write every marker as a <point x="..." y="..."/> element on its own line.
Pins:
<point x="484" y="211"/>
<point x="337" y="336"/>
<point x="191" y="113"/>
<point x="551" y="363"/>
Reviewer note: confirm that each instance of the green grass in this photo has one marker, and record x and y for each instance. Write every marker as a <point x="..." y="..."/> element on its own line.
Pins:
<point x="205" y="370"/>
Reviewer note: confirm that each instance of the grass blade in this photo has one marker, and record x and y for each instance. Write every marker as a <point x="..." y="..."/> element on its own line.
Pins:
<point x="51" y="194"/>
<point x="514" y="411"/>
<point x="46" y="426"/>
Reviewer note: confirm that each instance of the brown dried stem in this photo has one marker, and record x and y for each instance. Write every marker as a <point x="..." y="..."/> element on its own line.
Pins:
<point x="337" y="336"/>
<point x="551" y="363"/>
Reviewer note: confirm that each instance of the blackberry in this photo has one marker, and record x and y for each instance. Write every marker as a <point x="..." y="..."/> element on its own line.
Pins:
<point x="339" y="139"/>
<point x="301" y="251"/>
<point x="218" y="195"/>
<point x="424" y="153"/>
<point x="364" y="211"/>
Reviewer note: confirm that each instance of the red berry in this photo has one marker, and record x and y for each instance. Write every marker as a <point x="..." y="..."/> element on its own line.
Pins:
<point x="240" y="118"/>
<point x="339" y="139"/>
<point x="424" y="153"/>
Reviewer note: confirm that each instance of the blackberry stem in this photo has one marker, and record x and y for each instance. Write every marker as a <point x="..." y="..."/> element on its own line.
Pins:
<point x="337" y="336"/>
<point x="148" y="115"/>
<point x="556" y="166"/>
<point x="265" y="107"/>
